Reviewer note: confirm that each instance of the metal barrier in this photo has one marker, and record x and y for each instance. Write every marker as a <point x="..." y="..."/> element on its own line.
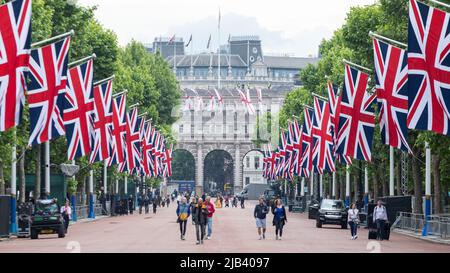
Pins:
<point x="83" y="211"/>
<point x="438" y="225"/>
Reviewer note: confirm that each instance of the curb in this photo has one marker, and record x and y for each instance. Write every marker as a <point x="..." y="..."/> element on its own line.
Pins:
<point x="431" y="239"/>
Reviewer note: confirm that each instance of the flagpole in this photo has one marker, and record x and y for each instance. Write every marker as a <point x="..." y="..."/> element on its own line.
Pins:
<point x="347" y="186"/>
<point x="55" y="38"/>
<point x="378" y="36"/>
<point x="93" y="56"/>
<point x="104" y="80"/>
<point x="391" y="171"/>
<point x="333" y="194"/>
<point x="302" y="187"/>
<point x="47" y="167"/>
<point x="91" y="194"/>
<point x="13" y="226"/>
<point x="357" y="65"/>
<point x="366" y="185"/>
<point x="312" y="184"/>
<point x="427" y="188"/>
<point x="320" y="185"/>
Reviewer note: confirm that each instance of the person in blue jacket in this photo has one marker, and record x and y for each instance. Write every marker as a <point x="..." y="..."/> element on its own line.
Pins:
<point x="183" y="213"/>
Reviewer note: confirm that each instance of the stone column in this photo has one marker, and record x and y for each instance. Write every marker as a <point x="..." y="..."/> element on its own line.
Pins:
<point x="199" y="174"/>
<point x="237" y="170"/>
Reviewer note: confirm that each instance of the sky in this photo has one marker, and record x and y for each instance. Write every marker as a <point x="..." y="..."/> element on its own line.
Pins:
<point x="293" y="27"/>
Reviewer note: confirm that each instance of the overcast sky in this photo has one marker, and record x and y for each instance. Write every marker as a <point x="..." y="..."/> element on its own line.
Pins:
<point x="284" y="26"/>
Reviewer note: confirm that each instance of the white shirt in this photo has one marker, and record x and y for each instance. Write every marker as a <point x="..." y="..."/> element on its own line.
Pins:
<point x="179" y="198"/>
<point x="379" y="213"/>
<point x="68" y="209"/>
<point x="353" y="215"/>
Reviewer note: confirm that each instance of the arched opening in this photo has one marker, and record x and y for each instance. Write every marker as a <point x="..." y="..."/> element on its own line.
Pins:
<point x="218" y="173"/>
<point x="183" y="172"/>
<point x="253" y="168"/>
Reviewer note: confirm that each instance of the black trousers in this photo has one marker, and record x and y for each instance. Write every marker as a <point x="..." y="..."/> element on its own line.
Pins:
<point x="183" y="227"/>
<point x="200" y="230"/>
<point x="66" y="221"/>
<point x="380" y="229"/>
<point x="154" y="207"/>
<point x="279" y="228"/>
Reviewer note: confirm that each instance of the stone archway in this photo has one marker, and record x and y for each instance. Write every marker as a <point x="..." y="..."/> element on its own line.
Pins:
<point x="218" y="172"/>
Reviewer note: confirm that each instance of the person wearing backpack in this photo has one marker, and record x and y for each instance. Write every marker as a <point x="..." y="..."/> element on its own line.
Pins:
<point x="183" y="213"/>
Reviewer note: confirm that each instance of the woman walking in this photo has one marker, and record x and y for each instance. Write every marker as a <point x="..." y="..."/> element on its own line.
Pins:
<point x="183" y="213"/>
<point x="353" y="220"/>
<point x="199" y="216"/>
<point x="279" y="218"/>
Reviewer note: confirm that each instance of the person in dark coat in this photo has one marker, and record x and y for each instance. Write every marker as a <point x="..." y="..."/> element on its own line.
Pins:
<point x="140" y="203"/>
<point x="130" y="204"/>
<point x="279" y="218"/>
<point x="154" y="201"/>
<point x="200" y="218"/>
<point x="146" y="203"/>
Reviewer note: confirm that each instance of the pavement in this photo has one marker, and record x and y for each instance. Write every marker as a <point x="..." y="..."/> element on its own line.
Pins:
<point x="234" y="231"/>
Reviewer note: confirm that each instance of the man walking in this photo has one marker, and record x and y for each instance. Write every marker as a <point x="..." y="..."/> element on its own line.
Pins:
<point x="199" y="216"/>
<point x="380" y="218"/>
<point x="260" y="213"/>
<point x="210" y="207"/>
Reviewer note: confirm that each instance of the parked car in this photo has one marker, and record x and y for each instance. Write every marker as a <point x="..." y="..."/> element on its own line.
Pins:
<point x="46" y="219"/>
<point x="332" y="212"/>
<point x="313" y="209"/>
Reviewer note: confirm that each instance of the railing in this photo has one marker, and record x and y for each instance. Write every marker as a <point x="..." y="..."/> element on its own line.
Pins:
<point x="437" y="225"/>
<point x="83" y="211"/>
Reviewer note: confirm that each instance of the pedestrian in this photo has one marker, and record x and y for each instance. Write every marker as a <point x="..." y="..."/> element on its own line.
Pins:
<point x="234" y="203"/>
<point x="193" y="203"/>
<point x="183" y="213"/>
<point x="210" y="206"/>
<point x="260" y="213"/>
<point x="140" y="203"/>
<point x="146" y="203"/>
<point x="242" y="202"/>
<point x="227" y="201"/>
<point x="200" y="215"/>
<point x="279" y="218"/>
<point x="353" y="220"/>
<point x="66" y="212"/>
<point x="130" y="204"/>
<point x="380" y="218"/>
<point x="178" y="199"/>
<point x="168" y="200"/>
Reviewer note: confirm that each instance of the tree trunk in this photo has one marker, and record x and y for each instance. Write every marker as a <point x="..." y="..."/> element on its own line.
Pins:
<point x="2" y="180"/>
<point x="375" y="184"/>
<point x="417" y="178"/>
<point x="398" y="174"/>
<point x="22" y="175"/>
<point x="37" y="186"/>
<point x="436" y="159"/>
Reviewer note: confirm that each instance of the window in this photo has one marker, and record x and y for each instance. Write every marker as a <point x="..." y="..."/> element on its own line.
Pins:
<point x="247" y="180"/>
<point x="247" y="161"/>
<point x="256" y="162"/>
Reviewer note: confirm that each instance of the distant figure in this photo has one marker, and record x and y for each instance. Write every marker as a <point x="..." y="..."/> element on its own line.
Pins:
<point x="66" y="212"/>
<point x="353" y="220"/>
<point x="227" y="201"/>
<point x="210" y="207"/>
<point x="234" y="203"/>
<point x="260" y="213"/>
<point x="199" y="216"/>
<point x="279" y="218"/>
<point x="192" y="204"/>
<point x="130" y="204"/>
<point x="380" y="218"/>
<point x="140" y="203"/>
<point x="154" y="203"/>
<point x="242" y="202"/>
<point x="183" y="213"/>
<point x="168" y="201"/>
<point x="146" y="203"/>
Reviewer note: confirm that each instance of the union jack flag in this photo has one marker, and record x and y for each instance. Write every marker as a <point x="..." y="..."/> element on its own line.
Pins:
<point x="245" y="99"/>
<point x="139" y="168"/>
<point x="357" y="117"/>
<point x="15" y="43"/>
<point x="167" y="161"/>
<point x="287" y="168"/>
<point x="391" y="79"/>
<point x="335" y="110"/>
<point x="322" y="152"/>
<point x="79" y="110"/>
<point x="307" y="139"/>
<point x="281" y="155"/>
<point x="428" y="68"/>
<point x="157" y="153"/>
<point x="103" y="114"/>
<point x="46" y="91"/>
<point x="132" y="139"/>
<point x="146" y="146"/>
<point x="119" y="129"/>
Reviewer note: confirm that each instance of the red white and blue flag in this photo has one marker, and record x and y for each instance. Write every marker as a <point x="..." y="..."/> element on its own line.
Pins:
<point x="139" y="168"/>
<point x="79" y="110"/>
<point x="146" y="146"/>
<point x="103" y="114"/>
<point x="307" y="139"/>
<point x="335" y="110"/>
<point x="167" y="161"/>
<point x="15" y="44"/>
<point x="132" y="140"/>
<point x="119" y="130"/>
<point x="357" y="117"/>
<point x="391" y="77"/>
<point x="428" y="68"/>
<point x="47" y="83"/>
<point x="322" y="152"/>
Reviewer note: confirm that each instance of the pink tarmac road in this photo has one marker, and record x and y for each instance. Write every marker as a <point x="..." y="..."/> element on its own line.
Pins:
<point x="233" y="231"/>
